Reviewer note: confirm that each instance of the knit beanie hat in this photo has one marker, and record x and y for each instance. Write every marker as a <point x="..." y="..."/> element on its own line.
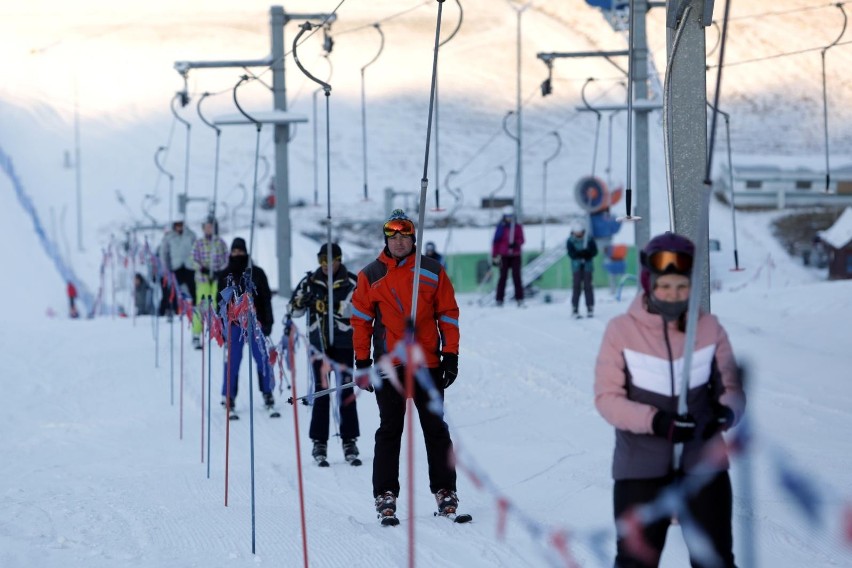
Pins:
<point x="239" y="244"/>
<point x="399" y="214"/>
<point x="335" y="251"/>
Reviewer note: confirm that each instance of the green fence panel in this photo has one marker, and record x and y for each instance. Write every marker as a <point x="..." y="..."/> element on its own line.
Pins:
<point x="467" y="271"/>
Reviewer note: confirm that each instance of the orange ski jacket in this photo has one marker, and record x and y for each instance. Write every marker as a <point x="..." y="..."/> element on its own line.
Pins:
<point x="381" y="307"/>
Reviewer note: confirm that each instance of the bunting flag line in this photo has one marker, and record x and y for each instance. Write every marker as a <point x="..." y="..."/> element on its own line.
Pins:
<point x="559" y="545"/>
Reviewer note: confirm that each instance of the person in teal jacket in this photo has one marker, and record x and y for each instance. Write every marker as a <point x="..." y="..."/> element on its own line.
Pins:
<point x="582" y="250"/>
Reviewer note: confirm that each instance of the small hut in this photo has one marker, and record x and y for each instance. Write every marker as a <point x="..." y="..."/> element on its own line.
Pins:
<point x="838" y="241"/>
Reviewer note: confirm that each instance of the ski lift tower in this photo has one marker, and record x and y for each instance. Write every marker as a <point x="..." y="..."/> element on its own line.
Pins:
<point x="278" y="18"/>
<point x="687" y="128"/>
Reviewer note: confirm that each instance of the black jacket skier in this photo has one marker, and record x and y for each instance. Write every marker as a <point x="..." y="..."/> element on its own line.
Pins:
<point x="237" y="267"/>
<point x="311" y="296"/>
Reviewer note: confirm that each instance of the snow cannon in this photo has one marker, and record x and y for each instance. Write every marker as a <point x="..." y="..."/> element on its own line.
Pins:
<point x="593" y="196"/>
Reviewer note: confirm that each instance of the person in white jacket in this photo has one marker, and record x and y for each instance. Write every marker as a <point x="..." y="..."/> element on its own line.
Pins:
<point x="638" y="375"/>
<point x="176" y="256"/>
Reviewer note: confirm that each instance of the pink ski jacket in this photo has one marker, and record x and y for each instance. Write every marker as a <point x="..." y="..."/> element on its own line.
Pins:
<point x="639" y="369"/>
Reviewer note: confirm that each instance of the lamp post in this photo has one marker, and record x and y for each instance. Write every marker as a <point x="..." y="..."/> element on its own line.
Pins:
<point x="77" y="169"/>
<point x="317" y="91"/>
<point x="519" y="138"/>
<point x="544" y="186"/>
<point x="78" y="175"/>
<point x="275" y="60"/>
<point x="364" y="106"/>
<point x="437" y="110"/>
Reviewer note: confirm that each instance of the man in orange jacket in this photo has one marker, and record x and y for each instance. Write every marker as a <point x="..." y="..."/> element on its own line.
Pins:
<point x="381" y="309"/>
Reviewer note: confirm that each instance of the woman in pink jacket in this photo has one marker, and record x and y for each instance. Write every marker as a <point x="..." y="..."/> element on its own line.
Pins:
<point x="506" y="254"/>
<point x="638" y="377"/>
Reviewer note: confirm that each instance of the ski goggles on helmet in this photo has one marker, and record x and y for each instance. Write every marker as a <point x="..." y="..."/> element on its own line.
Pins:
<point x="404" y="227"/>
<point x="323" y="259"/>
<point x="667" y="262"/>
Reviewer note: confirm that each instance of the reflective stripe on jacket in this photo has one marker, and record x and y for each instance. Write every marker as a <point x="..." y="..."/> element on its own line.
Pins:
<point x="639" y="370"/>
<point x="381" y="307"/>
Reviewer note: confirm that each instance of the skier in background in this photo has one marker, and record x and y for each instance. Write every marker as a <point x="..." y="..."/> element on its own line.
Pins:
<point x="176" y="256"/>
<point x="209" y="256"/>
<point x="431" y="252"/>
<point x="311" y="296"/>
<point x="506" y="253"/>
<point x="237" y="267"/>
<point x="73" y="313"/>
<point x="142" y="296"/>
<point x="582" y="252"/>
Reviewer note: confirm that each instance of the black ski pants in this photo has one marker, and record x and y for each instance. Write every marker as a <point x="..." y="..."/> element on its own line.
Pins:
<point x="583" y="283"/>
<point x="184" y="277"/>
<point x="436" y="434"/>
<point x="507" y="264"/>
<point x="710" y="510"/>
<point x="346" y="398"/>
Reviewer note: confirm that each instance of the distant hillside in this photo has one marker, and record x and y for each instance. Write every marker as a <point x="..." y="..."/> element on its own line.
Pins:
<point x="122" y="69"/>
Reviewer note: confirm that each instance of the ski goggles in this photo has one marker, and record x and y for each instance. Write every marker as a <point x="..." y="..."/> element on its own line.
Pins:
<point x="404" y="227"/>
<point x="666" y="261"/>
<point x="323" y="259"/>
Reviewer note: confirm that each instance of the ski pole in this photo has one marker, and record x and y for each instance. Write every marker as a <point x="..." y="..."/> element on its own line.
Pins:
<point x="324" y="392"/>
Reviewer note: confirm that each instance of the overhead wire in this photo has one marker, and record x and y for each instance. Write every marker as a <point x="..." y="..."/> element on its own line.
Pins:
<point x="313" y="30"/>
<point x="257" y="76"/>
<point x="825" y="95"/>
<point x="783" y="12"/>
<point x="548" y="126"/>
<point x="775" y="56"/>
<point x="383" y="20"/>
<point x="573" y="116"/>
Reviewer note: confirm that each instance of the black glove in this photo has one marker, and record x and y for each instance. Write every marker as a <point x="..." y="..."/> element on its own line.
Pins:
<point x="723" y="418"/>
<point x="675" y="428"/>
<point x="206" y="272"/>
<point x="363" y="381"/>
<point x="495" y="260"/>
<point x="450" y="368"/>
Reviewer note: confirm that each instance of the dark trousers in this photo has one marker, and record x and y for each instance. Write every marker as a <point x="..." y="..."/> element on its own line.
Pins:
<point x="346" y="399"/>
<point x="436" y="434"/>
<point x="235" y="356"/>
<point x="710" y="510"/>
<point x="583" y="282"/>
<point x="508" y="263"/>
<point x="165" y="304"/>
<point x="184" y="277"/>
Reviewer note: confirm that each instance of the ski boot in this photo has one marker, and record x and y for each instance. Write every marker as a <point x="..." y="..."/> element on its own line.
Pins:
<point x="386" y="509"/>
<point x="447" y="500"/>
<point x="320" y="453"/>
<point x="350" y="452"/>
